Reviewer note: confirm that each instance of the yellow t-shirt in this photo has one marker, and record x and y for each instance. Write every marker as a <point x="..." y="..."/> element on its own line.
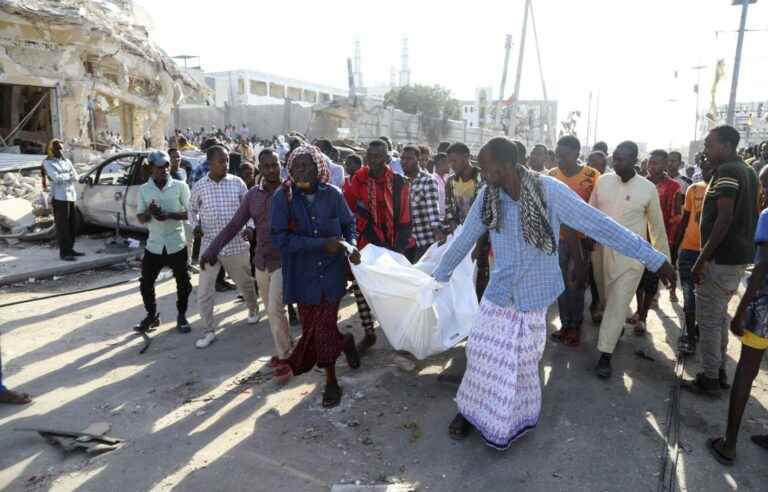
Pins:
<point x="583" y="182"/>
<point x="694" y="201"/>
<point x="464" y="193"/>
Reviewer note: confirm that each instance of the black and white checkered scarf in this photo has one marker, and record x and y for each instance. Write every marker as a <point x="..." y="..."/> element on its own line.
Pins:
<point x="533" y="211"/>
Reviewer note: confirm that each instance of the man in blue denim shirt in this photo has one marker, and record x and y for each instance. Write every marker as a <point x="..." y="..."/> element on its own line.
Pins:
<point x="500" y="394"/>
<point x="308" y="221"/>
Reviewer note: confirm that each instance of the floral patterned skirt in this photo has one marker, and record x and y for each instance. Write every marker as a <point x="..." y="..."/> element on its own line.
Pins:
<point x="500" y="394"/>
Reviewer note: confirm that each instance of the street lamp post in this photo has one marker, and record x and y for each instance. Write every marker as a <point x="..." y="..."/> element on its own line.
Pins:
<point x="737" y="60"/>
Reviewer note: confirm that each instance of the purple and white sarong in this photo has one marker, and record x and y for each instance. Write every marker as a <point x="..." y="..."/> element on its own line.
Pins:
<point x="500" y="394"/>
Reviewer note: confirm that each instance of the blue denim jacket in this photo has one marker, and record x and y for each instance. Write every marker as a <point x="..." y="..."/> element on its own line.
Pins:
<point x="299" y="229"/>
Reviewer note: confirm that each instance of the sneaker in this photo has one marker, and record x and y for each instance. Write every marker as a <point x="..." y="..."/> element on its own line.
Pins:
<point x="208" y="339"/>
<point x="603" y="368"/>
<point x="225" y="286"/>
<point x="723" y="379"/>
<point x="253" y="317"/>
<point x="182" y="324"/>
<point x="703" y="385"/>
<point x="76" y="253"/>
<point x="146" y="325"/>
<point x="68" y="258"/>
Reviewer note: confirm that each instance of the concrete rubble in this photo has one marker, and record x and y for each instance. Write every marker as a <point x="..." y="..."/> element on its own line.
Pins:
<point x="94" y="68"/>
<point x="16" y="215"/>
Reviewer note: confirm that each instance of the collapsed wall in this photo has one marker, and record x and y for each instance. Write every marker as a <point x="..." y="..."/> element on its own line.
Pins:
<point x="105" y="75"/>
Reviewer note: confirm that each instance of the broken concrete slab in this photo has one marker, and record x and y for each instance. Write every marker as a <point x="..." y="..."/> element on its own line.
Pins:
<point x="41" y="261"/>
<point x="16" y="214"/>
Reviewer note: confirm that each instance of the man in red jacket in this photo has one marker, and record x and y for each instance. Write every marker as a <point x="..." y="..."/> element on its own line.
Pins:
<point x="379" y="199"/>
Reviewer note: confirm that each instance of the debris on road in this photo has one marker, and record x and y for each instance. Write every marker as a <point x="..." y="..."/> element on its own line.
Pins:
<point x="92" y="439"/>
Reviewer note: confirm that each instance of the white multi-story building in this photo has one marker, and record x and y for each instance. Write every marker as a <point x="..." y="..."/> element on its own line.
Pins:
<point x="750" y="119"/>
<point x="478" y="113"/>
<point x="252" y="88"/>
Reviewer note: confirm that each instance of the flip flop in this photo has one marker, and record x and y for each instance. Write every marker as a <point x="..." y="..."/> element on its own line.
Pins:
<point x="760" y="440"/>
<point x="15" y="398"/>
<point x="332" y="396"/>
<point x="459" y="428"/>
<point x="720" y="457"/>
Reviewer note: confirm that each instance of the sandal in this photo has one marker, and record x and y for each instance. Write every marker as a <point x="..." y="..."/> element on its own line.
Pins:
<point x="332" y="396"/>
<point x="639" y="328"/>
<point x="714" y="450"/>
<point x="760" y="440"/>
<point x="283" y="372"/>
<point x="14" y="398"/>
<point x="350" y="352"/>
<point x="459" y="427"/>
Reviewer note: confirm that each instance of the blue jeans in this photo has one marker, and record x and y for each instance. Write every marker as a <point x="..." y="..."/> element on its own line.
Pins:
<point x="685" y="261"/>
<point x="571" y="301"/>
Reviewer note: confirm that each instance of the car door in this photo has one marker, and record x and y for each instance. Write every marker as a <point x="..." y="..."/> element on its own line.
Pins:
<point x="139" y="176"/>
<point x="103" y="199"/>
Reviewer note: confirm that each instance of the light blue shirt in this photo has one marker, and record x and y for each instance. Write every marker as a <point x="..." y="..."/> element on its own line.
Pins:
<point x="396" y="166"/>
<point x="337" y="173"/>
<point x="523" y="275"/>
<point x="167" y="234"/>
<point x="62" y="176"/>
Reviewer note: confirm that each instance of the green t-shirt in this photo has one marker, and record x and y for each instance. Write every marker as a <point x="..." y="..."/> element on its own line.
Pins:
<point x="167" y="235"/>
<point x="738" y="181"/>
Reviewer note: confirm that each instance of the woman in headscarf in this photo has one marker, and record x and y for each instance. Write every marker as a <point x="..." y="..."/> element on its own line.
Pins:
<point x="500" y="394"/>
<point x="309" y="220"/>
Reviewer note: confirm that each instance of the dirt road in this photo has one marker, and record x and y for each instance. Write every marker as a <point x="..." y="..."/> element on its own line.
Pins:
<point x="214" y="420"/>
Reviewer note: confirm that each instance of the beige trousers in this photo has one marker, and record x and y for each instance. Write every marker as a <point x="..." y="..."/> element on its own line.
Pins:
<point x="271" y="291"/>
<point x="619" y="293"/>
<point x="238" y="267"/>
<point x="597" y="268"/>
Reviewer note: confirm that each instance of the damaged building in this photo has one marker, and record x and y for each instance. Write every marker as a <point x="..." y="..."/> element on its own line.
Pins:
<point x="84" y="71"/>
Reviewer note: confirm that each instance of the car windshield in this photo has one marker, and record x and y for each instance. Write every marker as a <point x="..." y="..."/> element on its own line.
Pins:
<point x="116" y="172"/>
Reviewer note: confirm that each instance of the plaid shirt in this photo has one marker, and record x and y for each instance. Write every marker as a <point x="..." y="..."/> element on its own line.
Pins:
<point x="212" y="205"/>
<point x="454" y="216"/>
<point x="425" y="213"/>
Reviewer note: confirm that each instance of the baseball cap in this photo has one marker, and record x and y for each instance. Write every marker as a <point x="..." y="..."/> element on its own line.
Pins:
<point x="159" y="158"/>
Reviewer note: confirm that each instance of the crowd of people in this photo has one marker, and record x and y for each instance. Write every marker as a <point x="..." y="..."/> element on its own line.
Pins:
<point x="284" y="223"/>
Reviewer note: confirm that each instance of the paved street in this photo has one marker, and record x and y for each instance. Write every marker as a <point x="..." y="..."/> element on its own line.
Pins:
<point x="213" y="419"/>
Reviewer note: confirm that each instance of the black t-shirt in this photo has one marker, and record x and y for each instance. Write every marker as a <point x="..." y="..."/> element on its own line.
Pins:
<point x="735" y="180"/>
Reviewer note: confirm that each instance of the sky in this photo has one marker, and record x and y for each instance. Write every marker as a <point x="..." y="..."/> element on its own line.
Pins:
<point x="625" y="51"/>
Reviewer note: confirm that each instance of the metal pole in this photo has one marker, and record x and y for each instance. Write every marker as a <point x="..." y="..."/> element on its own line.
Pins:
<point x="597" y="114"/>
<point x="513" y="106"/>
<point x="737" y="64"/>
<point x="589" y="118"/>
<point x="698" y="69"/>
<point x="507" y="50"/>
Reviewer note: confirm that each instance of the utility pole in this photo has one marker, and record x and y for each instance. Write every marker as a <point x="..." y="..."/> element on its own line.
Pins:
<point x="597" y="115"/>
<point x="737" y="61"/>
<point x="513" y="108"/>
<point x="589" y="118"/>
<point x="698" y="69"/>
<point x="507" y="50"/>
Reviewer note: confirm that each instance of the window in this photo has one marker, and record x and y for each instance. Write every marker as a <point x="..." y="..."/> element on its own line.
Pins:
<point x="276" y="90"/>
<point x="294" y="93"/>
<point x="115" y="172"/>
<point x="258" y="88"/>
